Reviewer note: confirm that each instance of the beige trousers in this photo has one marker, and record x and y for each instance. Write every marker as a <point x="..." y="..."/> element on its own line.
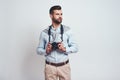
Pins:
<point x="57" y="73"/>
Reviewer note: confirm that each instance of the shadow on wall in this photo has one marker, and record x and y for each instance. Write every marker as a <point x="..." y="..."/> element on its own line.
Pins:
<point x="33" y="64"/>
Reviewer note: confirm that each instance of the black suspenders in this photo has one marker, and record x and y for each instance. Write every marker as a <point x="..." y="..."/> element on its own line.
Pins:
<point x="61" y="32"/>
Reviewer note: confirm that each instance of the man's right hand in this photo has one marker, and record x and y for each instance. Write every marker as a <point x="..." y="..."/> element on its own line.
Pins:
<point x="48" y="48"/>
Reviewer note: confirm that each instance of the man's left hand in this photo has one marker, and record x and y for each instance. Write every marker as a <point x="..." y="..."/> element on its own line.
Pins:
<point x="61" y="47"/>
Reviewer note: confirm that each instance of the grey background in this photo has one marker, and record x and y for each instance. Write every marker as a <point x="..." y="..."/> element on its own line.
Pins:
<point x="96" y="29"/>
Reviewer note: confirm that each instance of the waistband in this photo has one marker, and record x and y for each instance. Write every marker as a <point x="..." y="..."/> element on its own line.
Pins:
<point x="57" y="64"/>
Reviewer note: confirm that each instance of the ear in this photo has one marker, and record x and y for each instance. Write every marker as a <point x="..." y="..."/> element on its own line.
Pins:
<point x="51" y="16"/>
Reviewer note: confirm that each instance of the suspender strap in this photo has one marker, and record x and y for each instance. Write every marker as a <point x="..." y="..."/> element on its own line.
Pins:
<point x="61" y="29"/>
<point x="49" y="32"/>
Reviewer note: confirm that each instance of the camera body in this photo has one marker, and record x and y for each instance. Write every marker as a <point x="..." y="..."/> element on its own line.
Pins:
<point x="54" y="45"/>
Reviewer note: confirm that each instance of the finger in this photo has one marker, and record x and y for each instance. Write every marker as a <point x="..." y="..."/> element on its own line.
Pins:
<point x="48" y="44"/>
<point x="59" y="45"/>
<point x="59" y="42"/>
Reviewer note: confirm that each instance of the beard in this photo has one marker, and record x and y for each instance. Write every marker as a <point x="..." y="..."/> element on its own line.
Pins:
<point x="57" y="21"/>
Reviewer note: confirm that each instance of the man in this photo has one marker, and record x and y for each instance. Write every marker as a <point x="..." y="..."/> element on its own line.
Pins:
<point x="55" y="44"/>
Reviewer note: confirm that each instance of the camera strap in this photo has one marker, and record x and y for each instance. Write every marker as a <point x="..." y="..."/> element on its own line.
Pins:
<point x="61" y="32"/>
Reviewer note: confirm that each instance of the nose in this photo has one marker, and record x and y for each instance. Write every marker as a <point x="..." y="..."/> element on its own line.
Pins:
<point x="60" y="15"/>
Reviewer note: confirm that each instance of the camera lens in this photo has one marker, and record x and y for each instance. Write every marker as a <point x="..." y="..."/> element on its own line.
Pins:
<point x="54" y="45"/>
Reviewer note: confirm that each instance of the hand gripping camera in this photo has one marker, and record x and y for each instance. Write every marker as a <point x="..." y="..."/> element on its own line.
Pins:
<point x="55" y="44"/>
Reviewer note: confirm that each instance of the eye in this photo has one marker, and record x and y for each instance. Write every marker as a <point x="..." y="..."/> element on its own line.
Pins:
<point x="57" y="14"/>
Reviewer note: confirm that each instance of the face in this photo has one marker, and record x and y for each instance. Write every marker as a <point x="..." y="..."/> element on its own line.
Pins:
<point x="56" y="16"/>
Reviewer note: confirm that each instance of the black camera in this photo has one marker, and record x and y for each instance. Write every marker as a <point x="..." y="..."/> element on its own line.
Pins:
<point x="54" y="45"/>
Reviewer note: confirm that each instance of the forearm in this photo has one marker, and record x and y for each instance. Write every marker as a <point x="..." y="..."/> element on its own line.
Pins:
<point x="72" y="49"/>
<point x="41" y="51"/>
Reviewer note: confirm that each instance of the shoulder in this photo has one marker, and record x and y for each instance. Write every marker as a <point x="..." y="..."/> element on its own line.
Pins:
<point x="68" y="31"/>
<point x="45" y="31"/>
<point x="66" y="28"/>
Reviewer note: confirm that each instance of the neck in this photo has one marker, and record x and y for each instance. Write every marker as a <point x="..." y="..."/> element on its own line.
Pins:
<point x="55" y="25"/>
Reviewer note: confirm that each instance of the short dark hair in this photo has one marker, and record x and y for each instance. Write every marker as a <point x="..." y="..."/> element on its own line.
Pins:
<point x="56" y="7"/>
